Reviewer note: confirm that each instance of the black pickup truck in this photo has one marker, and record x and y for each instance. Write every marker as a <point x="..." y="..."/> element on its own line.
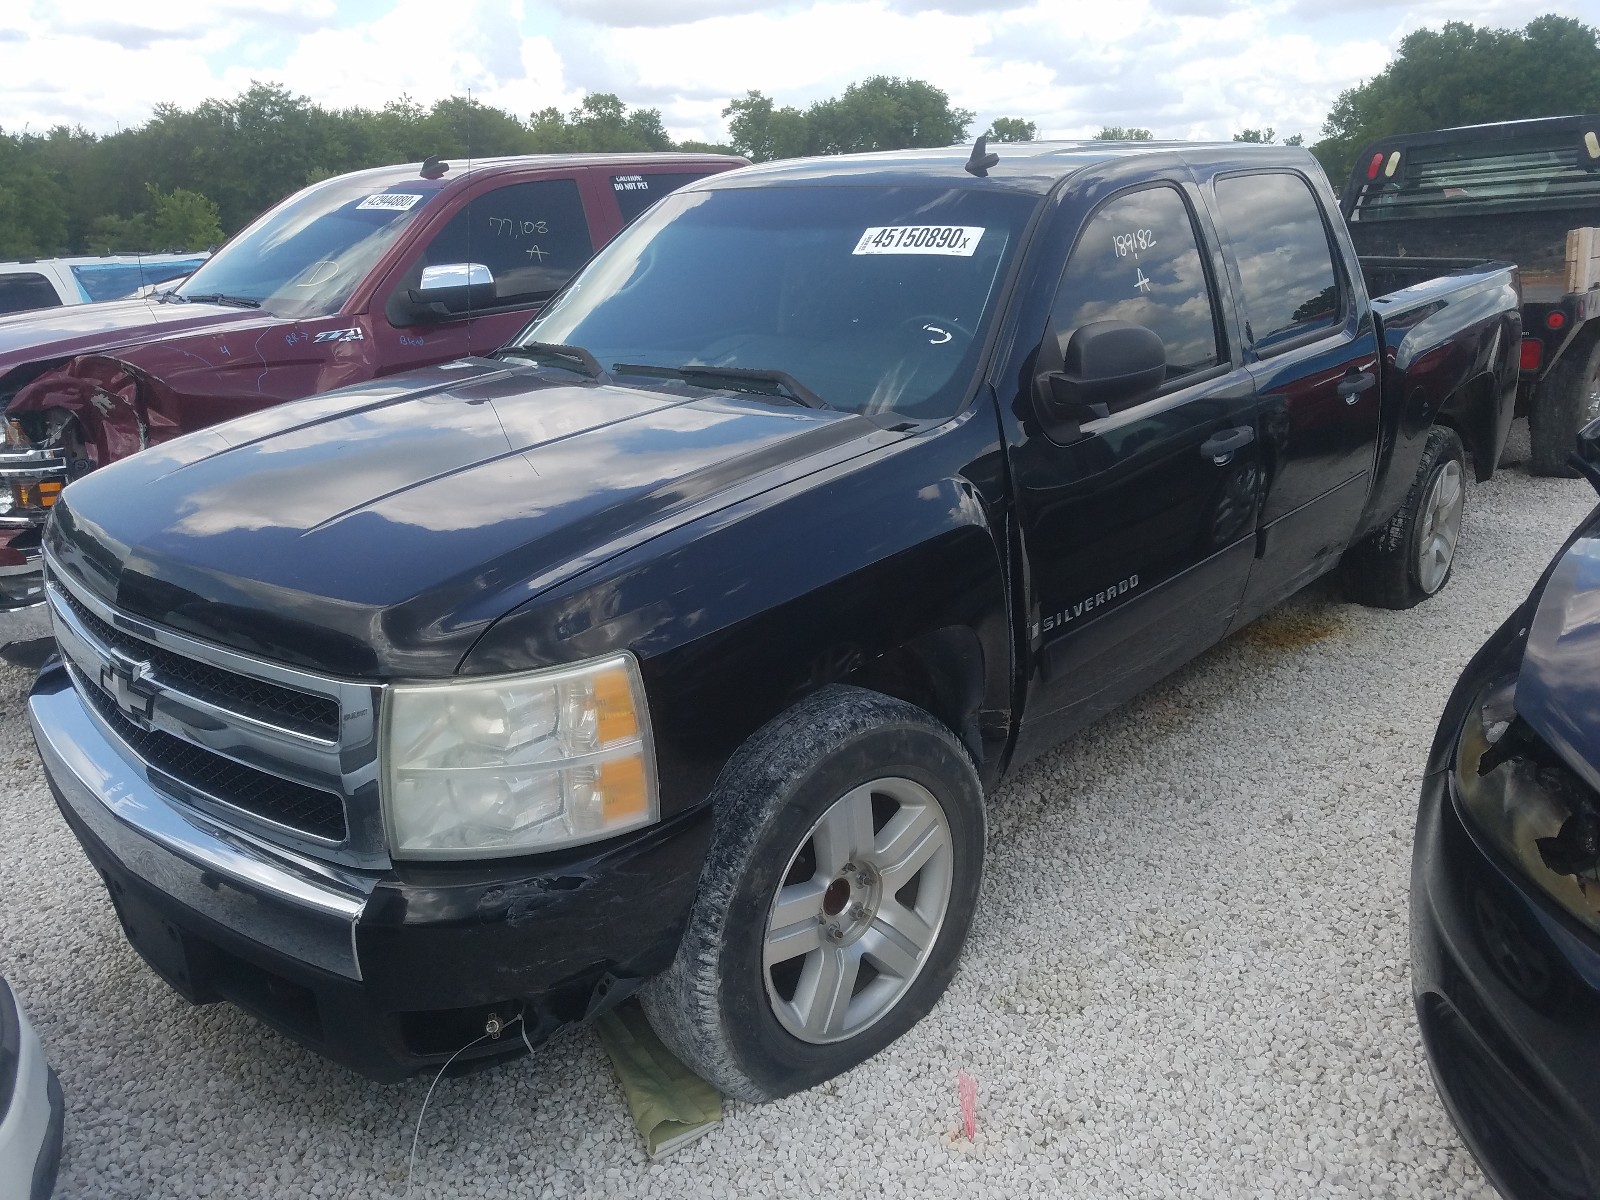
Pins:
<point x="1528" y="192"/>
<point x="675" y="646"/>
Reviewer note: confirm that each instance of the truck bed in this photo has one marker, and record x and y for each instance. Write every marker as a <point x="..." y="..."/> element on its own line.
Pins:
<point x="1430" y="317"/>
<point x="1535" y="241"/>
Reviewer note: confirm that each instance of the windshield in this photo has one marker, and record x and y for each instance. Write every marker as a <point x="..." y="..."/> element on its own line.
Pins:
<point x="873" y="298"/>
<point x="304" y="257"/>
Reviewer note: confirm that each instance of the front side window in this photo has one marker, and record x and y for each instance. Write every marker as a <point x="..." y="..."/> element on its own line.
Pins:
<point x="1138" y="260"/>
<point x="531" y="236"/>
<point x="305" y="257"/>
<point x="1284" y="256"/>
<point x="874" y="298"/>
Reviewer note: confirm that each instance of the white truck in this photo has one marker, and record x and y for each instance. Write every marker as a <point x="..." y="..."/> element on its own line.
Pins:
<point x="29" y="283"/>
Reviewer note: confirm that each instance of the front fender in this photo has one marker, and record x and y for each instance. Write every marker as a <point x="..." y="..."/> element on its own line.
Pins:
<point x="113" y="401"/>
<point x="737" y="615"/>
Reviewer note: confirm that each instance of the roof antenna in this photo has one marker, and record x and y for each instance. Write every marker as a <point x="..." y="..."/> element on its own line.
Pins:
<point x="433" y="168"/>
<point x="981" y="159"/>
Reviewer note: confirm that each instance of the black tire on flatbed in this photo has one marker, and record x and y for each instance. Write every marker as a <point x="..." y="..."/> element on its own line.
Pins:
<point x="1564" y="403"/>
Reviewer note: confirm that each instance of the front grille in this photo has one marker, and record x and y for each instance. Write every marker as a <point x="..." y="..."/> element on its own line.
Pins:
<point x="316" y="716"/>
<point x="283" y="801"/>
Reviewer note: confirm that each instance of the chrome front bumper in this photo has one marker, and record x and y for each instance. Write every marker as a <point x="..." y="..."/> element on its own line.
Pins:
<point x="23" y="616"/>
<point x="283" y="901"/>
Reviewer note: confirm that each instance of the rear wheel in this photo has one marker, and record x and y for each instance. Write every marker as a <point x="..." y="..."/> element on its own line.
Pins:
<point x="1411" y="557"/>
<point x="1567" y="401"/>
<point x="835" y="900"/>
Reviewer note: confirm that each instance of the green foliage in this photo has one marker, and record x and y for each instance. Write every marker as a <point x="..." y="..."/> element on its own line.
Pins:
<point x="32" y="205"/>
<point x="880" y="113"/>
<point x="762" y="133"/>
<point x="1011" y="129"/>
<point x="1465" y="75"/>
<point x="601" y="123"/>
<point x="1122" y="133"/>
<point x="885" y="113"/>
<point x="175" y="220"/>
<point x="1258" y="136"/>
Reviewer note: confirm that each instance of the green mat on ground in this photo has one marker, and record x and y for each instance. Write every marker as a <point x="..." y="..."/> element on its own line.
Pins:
<point x="671" y="1105"/>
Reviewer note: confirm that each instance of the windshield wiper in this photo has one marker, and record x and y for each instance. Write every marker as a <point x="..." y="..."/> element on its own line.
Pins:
<point x="573" y="358"/>
<point x="222" y="298"/>
<point x="778" y="384"/>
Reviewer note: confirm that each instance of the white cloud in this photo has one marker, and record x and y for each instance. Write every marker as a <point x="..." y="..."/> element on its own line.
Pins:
<point x="1184" y="68"/>
<point x="410" y="50"/>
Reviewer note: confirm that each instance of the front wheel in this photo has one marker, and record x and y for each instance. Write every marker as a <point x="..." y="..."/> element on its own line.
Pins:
<point x="1410" y="558"/>
<point x="835" y="899"/>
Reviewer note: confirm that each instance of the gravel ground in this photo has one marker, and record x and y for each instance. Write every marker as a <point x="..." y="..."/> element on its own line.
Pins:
<point x="1187" y="976"/>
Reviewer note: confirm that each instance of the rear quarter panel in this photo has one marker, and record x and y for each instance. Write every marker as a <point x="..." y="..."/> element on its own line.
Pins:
<point x="1450" y="348"/>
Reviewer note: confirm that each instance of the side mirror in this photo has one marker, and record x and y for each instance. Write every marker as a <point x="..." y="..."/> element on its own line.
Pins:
<point x="1105" y="365"/>
<point x="453" y="288"/>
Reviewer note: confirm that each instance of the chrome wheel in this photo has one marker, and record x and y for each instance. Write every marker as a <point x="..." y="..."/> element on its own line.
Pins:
<point x="1441" y="527"/>
<point x="858" y="911"/>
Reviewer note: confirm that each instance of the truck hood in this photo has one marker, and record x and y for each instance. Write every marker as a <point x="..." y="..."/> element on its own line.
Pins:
<point x="377" y="531"/>
<point x="92" y="328"/>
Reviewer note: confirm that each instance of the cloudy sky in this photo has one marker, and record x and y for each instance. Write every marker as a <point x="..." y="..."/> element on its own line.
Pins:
<point x="1184" y="68"/>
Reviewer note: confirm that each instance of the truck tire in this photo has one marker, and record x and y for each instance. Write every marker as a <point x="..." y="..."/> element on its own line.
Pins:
<point x="1410" y="558"/>
<point x="1568" y="400"/>
<point x="835" y="898"/>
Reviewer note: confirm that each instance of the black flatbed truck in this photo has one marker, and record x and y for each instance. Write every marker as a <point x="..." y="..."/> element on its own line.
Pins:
<point x="1525" y="192"/>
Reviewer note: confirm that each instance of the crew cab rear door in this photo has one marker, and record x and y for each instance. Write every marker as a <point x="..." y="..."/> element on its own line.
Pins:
<point x="1140" y="530"/>
<point x="1312" y="349"/>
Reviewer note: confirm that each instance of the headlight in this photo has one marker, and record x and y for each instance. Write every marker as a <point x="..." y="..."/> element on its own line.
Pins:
<point x="478" y="768"/>
<point x="1533" y="807"/>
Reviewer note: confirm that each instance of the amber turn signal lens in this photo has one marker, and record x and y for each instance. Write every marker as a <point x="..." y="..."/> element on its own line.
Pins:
<point x="613" y="696"/>
<point x="623" y="790"/>
<point x="35" y="495"/>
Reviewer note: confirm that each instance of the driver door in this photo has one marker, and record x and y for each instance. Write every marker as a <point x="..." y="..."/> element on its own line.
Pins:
<point x="531" y="235"/>
<point x="1140" y="529"/>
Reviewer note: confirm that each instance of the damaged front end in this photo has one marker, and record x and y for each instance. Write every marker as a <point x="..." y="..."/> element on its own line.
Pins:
<point x="31" y="479"/>
<point x="57" y="427"/>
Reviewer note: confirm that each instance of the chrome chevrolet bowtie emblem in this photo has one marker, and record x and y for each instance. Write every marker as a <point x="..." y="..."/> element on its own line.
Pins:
<point x="124" y="680"/>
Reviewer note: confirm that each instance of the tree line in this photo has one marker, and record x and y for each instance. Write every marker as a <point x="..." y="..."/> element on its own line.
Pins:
<point x="188" y="177"/>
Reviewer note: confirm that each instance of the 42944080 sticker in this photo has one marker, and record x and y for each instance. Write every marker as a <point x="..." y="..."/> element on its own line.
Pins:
<point x="960" y="240"/>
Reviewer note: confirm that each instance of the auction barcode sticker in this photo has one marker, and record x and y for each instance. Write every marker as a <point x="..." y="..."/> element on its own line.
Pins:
<point x="397" y="201"/>
<point x="920" y="239"/>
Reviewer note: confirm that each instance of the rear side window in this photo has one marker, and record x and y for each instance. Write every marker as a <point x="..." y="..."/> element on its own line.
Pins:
<point x="26" y="290"/>
<point x="635" y="193"/>
<point x="1285" y="260"/>
<point x="531" y="236"/>
<point x="1138" y="260"/>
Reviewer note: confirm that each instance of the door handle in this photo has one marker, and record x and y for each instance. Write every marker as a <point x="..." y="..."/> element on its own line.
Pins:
<point x="1354" y="383"/>
<point x="1223" y="446"/>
